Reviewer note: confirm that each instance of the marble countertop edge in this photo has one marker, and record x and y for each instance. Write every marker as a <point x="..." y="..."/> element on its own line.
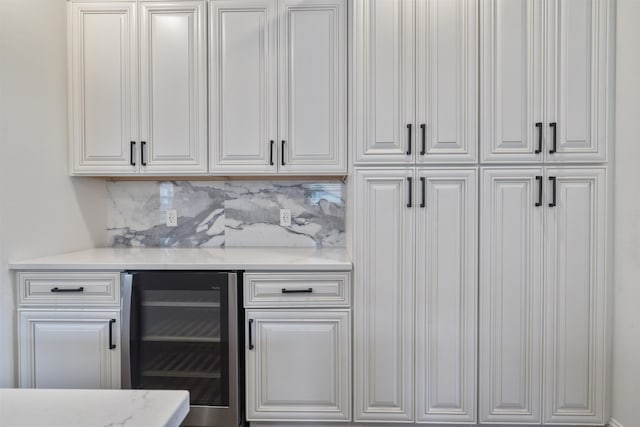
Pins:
<point x="254" y="258"/>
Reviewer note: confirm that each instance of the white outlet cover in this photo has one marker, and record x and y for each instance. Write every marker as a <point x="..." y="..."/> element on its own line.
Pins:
<point x="172" y="218"/>
<point x="285" y="217"/>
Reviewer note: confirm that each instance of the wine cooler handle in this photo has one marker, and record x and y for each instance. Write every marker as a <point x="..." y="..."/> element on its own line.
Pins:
<point x="111" y="344"/>
<point x="251" y="346"/>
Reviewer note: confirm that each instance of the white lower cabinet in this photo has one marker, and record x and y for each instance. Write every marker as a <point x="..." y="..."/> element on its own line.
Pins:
<point x="69" y="329"/>
<point x="543" y="352"/>
<point x="298" y="346"/>
<point x="298" y="365"/>
<point x="69" y="349"/>
<point x="415" y="295"/>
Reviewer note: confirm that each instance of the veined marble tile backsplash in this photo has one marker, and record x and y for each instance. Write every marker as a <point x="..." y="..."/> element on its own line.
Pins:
<point x="225" y="213"/>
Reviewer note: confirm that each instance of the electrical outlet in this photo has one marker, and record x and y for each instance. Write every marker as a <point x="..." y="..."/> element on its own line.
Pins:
<point x="285" y="217"/>
<point x="172" y="218"/>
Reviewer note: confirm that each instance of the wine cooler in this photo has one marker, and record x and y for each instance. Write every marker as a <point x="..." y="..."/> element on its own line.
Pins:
<point x="180" y="332"/>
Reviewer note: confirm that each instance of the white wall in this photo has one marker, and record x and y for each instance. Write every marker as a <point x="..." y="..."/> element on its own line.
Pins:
<point x="42" y="209"/>
<point x="626" y="339"/>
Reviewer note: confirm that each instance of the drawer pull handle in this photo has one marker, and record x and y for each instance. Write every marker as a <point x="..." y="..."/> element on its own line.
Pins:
<point x="297" y="291"/>
<point x="57" y="289"/>
<point x="111" y="344"/>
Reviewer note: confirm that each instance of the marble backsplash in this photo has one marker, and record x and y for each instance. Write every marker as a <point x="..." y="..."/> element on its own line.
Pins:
<point x="225" y="213"/>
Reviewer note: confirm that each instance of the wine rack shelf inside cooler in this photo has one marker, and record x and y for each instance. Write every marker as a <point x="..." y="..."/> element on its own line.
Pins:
<point x="183" y="330"/>
<point x="181" y="364"/>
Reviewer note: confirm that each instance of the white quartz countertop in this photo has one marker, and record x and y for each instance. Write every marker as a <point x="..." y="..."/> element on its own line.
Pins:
<point x="263" y="258"/>
<point x="92" y="408"/>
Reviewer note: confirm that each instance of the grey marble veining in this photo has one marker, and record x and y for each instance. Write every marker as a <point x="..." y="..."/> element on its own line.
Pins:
<point x="232" y="213"/>
<point x="137" y="212"/>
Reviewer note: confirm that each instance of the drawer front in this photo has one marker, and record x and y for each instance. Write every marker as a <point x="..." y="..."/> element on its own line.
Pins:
<point x="72" y="289"/>
<point x="309" y="289"/>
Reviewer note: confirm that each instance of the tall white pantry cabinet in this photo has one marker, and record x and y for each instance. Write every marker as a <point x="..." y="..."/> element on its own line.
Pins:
<point x="481" y="136"/>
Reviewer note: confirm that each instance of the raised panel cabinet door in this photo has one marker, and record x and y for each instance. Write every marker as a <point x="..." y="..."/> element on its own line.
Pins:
<point x="173" y="87"/>
<point x="298" y="365"/>
<point x="313" y="86"/>
<point x="243" y="82"/>
<point x="446" y="295"/>
<point x="103" y="88"/>
<point x="575" y="293"/>
<point x="579" y="70"/>
<point x="69" y="349"/>
<point x="383" y="81"/>
<point x="511" y="92"/>
<point x="511" y="231"/>
<point x="384" y="294"/>
<point x="446" y="79"/>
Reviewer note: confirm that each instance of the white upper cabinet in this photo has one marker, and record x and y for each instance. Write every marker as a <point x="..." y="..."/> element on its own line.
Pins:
<point x="446" y="128"/>
<point x="103" y="87"/>
<point x="313" y="80"/>
<point x="383" y="80"/>
<point x="244" y="98"/>
<point x="415" y="73"/>
<point x="173" y="87"/>
<point x="547" y="69"/>
<point x="278" y="72"/>
<point x="138" y="110"/>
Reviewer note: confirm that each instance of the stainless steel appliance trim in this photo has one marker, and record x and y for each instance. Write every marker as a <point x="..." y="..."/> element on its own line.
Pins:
<point x="125" y="327"/>
<point x="216" y="415"/>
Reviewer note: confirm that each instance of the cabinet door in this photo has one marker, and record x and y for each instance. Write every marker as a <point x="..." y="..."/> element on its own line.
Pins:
<point x="383" y="295"/>
<point x="383" y="80"/>
<point x="244" y="98"/>
<point x="446" y="297"/>
<point x="69" y="349"/>
<point x="447" y="74"/>
<point x="173" y="87"/>
<point x="575" y="346"/>
<point x="579" y="67"/>
<point x="511" y="94"/>
<point x="313" y="86"/>
<point x="298" y="365"/>
<point x="103" y="88"/>
<point x="510" y="296"/>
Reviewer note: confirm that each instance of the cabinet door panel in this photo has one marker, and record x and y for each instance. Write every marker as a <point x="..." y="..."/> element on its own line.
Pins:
<point x="383" y="296"/>
<point x="68" y="349"/>
<point x="447" y="74"/>
<point x="384" y="71"/>
<point x="512" y="77"/>
<point x="103" y="87"/>
<point x="173" y="87"/>
<point x="510" y="296"/>
<point x="298" y="368"/>
<point x="243" y="98"/>
<point x="313" y="77"/>
<point x="575" y="298"/>
<point x="446" y="297"/>
<point x="578" y="67"/>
